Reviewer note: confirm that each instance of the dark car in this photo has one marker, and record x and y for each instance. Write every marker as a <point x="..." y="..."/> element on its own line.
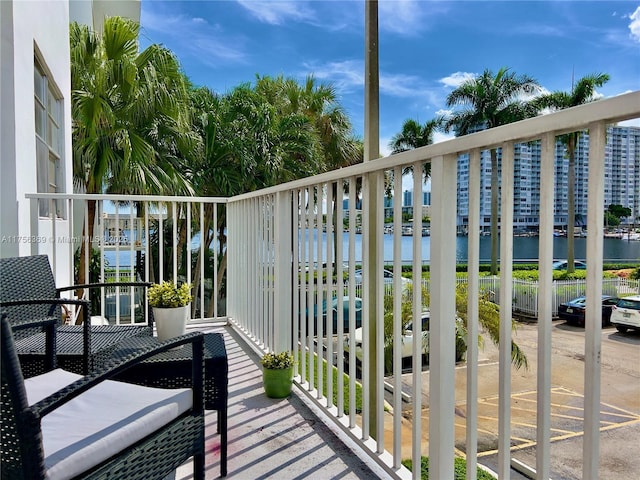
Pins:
<point x="332" y="312"/>
<point x="574" y="310"/>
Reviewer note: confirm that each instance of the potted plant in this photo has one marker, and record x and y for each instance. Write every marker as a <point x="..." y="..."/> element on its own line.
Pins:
<point x="277" y="374"/>
<point x="171" y="308"/>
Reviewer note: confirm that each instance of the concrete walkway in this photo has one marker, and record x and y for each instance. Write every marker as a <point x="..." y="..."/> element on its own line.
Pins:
<point x="271" y="438"/>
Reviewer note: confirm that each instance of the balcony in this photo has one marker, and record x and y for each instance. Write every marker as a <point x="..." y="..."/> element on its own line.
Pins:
<point x="277" y="258"/>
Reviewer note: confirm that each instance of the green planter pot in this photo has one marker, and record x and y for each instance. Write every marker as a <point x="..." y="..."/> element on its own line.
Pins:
<point x="277" y="383"/>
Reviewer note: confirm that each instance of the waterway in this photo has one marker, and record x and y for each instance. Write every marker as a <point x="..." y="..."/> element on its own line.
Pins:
<point x="524" y="249"/>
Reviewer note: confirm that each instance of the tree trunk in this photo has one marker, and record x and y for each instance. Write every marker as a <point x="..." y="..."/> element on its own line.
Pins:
<point x="571" y="213"/>
<point x="494" y="211"/>
<point x="221" y="271"/>
<point x="205" y="240"/>
<point x="182" y="236"/>
<point x="87" y="230"/>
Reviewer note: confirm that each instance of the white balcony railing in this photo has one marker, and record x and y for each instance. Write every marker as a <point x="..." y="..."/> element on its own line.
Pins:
<point x="125" y="241"/>
<point x="285" y="262"/>
<point x="291" y="247"/>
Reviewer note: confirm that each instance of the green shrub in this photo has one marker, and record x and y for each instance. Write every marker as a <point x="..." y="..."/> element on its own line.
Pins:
<point x="169" y="295"/>
<point x="459" y="469"/>
<point x="277" y="361"/>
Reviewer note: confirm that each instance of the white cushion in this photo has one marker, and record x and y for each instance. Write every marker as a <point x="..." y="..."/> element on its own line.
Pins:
<point x="101" y="422"/>
<point x="42" y="386"/>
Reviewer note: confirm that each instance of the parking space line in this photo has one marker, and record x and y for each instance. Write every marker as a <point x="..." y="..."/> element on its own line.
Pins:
<point x="572" y="416"/>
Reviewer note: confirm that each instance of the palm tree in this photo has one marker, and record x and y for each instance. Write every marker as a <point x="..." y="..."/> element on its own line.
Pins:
<point x="489" y="101"/>
<point x="130" y="125"/>
<point x="413" y="135"/>
<point x="582" y="92"/>
<point x="488" y="319"/>
<point x="318" y="102"/>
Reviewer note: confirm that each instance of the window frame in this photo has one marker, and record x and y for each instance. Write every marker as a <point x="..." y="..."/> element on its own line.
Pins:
<point x="49" y="138"/>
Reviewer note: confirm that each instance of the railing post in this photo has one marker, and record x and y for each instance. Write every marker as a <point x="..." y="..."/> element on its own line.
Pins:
<point x="593" y="328"/>
<point x="506" y="296"/>
<point x="545" y="306"/>
<point x="282" y="272"/>
<point x="443" y="315"/>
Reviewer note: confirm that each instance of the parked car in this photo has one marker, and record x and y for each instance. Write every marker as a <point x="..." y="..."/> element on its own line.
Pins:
<point x="333" y="313"/>
<point x="573" y="311"/>
<point x="387" y="275"/>
<point x="562" y="265"/>
<point x="406" y="349"/>
<point x="626" y="314"/>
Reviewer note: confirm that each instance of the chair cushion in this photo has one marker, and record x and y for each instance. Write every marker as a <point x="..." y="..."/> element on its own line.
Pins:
<point x="41" y="386"/>
<point x="101" y="422"/>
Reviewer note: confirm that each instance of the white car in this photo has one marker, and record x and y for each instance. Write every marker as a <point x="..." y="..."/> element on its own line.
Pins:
<point x="626" y="314"/>
<point x="388" y="278"/>
<point x="407" y="339"/>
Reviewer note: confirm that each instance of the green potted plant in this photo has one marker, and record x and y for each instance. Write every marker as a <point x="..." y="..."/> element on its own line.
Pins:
<point x="277" y="374"/>
<point x="171" y="308"/>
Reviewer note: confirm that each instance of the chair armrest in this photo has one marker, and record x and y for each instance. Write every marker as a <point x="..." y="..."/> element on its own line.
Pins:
<point x="89" y="286"/>
<point x="41" y="322"/>
<point x="104" y="284"/>
<point x="49" y="325"/>
<point x="86" y="315"/>
<point x="68" y="393"/>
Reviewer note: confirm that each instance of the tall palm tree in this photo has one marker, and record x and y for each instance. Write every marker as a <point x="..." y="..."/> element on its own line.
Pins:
<point x="489" y="101"/>
<point x="130" y="126"/>
<point x="414" y="135"/>
<point x="318" y="102"/>
<point x="582" y="92"/>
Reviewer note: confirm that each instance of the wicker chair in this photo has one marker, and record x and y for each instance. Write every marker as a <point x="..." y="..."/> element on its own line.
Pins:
<point x="28" y="292"/>
<point x="62" y="425"/>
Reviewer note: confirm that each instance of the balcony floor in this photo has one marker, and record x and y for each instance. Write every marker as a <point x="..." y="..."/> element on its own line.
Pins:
<point x="269" y="438"/>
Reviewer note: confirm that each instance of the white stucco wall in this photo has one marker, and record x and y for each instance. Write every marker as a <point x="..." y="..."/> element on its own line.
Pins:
<point x="93" y="12"/>
<point x="27" y="27"/>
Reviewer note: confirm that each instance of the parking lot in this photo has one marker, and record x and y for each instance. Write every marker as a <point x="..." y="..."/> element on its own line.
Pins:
<point x="620" y="403"/>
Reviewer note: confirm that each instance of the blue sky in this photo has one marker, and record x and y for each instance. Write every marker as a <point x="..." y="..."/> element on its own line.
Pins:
<point x="426" y="47"/>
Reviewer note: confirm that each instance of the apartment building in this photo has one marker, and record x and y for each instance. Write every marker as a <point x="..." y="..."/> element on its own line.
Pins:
<point x="622" y="181"/>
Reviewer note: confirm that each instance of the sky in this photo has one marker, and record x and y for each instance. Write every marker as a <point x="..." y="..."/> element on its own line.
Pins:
<point x="426" y="48"/>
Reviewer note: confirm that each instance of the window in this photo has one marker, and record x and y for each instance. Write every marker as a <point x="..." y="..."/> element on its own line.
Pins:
<point x="49" y="135"/>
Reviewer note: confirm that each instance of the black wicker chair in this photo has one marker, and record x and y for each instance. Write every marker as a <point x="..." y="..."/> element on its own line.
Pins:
<point x="60" y="425"/>
<point x="28" y="292"/>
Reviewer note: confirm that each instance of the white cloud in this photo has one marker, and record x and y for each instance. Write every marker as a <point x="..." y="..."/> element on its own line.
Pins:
<point x="408" y="17"/>
<point x="345" y="75"/>
<point x="634" y="122"/>
<point x="276" y="12"/>
<point x="193" y="36"/>
<point x="385" y="151"/>
<point x="404" y="17"/>
<point x="456" y="79"/>
<point x="442" y="137"/>
<point x="348" y="75"/>
<point x="405" y="86"/>
<point x="634" y="26"/>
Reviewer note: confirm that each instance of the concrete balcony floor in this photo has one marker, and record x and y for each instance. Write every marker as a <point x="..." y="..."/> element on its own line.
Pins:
<point x="269" y="438"/>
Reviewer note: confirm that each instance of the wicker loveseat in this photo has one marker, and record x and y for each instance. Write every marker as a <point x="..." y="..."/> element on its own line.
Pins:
<point x="28" y="292"/>
<point x="61" y="425"/>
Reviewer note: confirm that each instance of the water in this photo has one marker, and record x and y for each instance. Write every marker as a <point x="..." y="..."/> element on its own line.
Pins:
<point x="524" y="249"/>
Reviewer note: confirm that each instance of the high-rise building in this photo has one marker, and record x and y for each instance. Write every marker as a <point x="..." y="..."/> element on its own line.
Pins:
<point x="622" y="180"/>
<point x="407" y="198"/>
